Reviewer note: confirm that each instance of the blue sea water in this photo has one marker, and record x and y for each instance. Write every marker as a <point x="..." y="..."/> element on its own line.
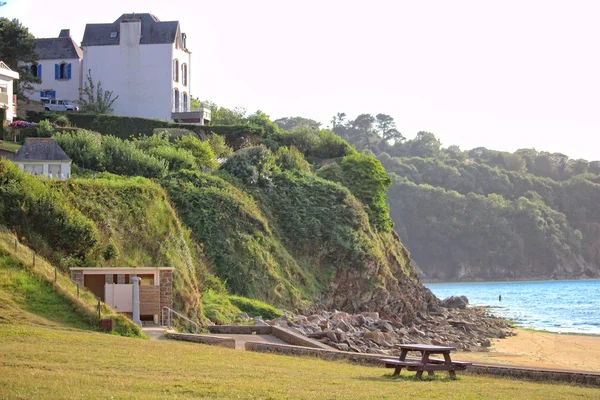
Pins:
<point x="556" y="306"/>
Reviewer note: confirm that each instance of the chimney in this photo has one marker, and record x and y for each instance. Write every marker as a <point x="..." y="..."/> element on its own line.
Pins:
<point x="131" y="32"/>
<point x="64" y="33"/>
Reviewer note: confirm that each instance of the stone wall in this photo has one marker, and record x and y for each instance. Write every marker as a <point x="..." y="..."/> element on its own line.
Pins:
<point x="166" y="289"/>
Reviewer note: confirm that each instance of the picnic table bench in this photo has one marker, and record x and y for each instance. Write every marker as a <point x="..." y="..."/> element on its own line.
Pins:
<point x="425" y="363"/>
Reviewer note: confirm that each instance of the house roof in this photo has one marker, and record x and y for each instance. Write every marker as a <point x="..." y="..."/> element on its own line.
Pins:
<point x="154" y="31"/>
<point x="56" y="48"/>
<point x="40" y="149"/>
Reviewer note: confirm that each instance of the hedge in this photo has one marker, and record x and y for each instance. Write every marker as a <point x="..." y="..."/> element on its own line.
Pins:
<point x="237" y="136"/>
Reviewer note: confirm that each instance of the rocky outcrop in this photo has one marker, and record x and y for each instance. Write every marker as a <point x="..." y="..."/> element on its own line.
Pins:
<point x="455" y="302"/>
<point x="468" y="329"/>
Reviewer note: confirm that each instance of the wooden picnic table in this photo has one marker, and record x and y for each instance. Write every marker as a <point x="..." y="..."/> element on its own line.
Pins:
<point x="425" y="363"/>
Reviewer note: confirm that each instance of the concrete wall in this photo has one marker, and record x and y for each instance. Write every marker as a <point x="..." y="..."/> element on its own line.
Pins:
<point x="286" y="335"/>
<point x="66" y="89"/>
<point x="204" y="339"/>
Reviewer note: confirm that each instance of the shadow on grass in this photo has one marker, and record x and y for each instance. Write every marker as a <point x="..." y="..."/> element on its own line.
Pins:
<point x="409" y="378"/>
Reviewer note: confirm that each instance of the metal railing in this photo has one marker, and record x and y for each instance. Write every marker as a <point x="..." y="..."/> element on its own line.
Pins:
<point x="182" y="109"/>
<point x="171" y="311"/>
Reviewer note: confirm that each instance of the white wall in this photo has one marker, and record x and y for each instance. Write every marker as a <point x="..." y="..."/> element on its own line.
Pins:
<point x="66" y="89"/>
<point x="43" y="168"/>
<point x="139" y="74"/>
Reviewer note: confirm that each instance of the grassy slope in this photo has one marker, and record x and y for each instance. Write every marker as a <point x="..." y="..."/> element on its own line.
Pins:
<point x="33" y="289"/>
<point x="61" y="363"/>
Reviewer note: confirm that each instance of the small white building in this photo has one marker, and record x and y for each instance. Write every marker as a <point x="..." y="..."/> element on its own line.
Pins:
<point x="59" y="68"/>
<point x="8" y="100"/>
<point x="43" y="157"/>
<point x="146" y="63"/>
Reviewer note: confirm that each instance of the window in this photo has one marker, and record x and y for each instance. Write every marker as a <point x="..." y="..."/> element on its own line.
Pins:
<point x="184" y="74"/>
<point x="184" y="98"/>
<point x="176" y="70"/>
<point x="36" y="70"/>
<point x="176" y="100"/>
<point x="62" y="71"/>
<point x="113" y="35"/>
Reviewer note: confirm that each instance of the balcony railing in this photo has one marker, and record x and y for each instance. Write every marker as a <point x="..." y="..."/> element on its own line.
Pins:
<point x="182" y="109"/>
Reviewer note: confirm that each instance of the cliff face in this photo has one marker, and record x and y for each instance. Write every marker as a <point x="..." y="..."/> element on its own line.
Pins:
<point x="299" y="241"/>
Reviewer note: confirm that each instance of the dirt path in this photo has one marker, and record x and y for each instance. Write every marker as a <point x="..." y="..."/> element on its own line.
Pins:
<point x="541" y="349"/>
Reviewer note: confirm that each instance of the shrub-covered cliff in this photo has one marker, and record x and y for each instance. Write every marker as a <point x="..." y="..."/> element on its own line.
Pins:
<point x="299" y="221"/>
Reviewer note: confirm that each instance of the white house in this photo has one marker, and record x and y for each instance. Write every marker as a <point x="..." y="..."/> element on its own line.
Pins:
<point x="43" y="157"/>
<point x="146" y="63"/>
<point x="8" y="100"/>
<point x="59" y="68"/>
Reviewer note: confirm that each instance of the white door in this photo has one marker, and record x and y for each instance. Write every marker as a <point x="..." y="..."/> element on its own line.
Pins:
<point x="119" y="296"/>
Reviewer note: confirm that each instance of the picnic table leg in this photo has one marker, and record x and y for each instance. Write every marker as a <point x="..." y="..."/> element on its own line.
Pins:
<point x="398" y="368"/>
<point x="430" y="373"/>
<point x="424" y="361"/>
<point x="448" y="361"/>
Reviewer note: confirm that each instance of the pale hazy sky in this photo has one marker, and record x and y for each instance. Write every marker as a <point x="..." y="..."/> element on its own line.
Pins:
<point x="499" y="74"/>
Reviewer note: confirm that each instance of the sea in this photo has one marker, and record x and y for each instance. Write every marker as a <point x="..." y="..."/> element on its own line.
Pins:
<point x="554" y="306"/>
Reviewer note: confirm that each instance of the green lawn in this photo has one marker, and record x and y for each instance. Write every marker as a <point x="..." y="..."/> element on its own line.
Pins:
<point x="51" y="362"/>
<point x="10" y="146"/>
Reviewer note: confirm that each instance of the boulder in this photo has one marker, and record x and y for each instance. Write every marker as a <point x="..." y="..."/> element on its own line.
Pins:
<point x="376" y="337"/>
<point x="459" y="302"/>
<point x="372" y="315"/>
<point x="340" y="316"/>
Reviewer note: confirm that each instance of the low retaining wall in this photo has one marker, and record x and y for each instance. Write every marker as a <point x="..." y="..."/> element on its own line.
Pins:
<point x="540" y="374"/>
<point x="204" y="339"/>
<point x="7" y="154"/>
<point x="297" y="339"/>
<point x="286" y="335"/>
<point x="241" y="329"/>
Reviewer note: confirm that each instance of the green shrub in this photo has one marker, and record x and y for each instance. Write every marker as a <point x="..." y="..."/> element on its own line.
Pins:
<point x="255" y="308"/>
<point x="45" y="129"/>
<point x="290" y="159"/>
<point x="252" y="165"/>
<point x="122" y="157"/>
<point x="367" y="180"/>
<point x="62" y="121"/>
<point x="84" y="148"/>
<point x="218" y="308"/>
<point x="111" y="251"/>
<point x="176" y="158"/>
<point x="219" y="146"/>
<point x="200" y="149"/>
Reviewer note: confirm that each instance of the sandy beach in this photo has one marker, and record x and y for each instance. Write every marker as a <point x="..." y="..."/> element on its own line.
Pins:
<point x="542" y="349"/>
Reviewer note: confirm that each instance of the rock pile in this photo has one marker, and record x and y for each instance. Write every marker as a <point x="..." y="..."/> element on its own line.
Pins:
<point x="467" y="329"/>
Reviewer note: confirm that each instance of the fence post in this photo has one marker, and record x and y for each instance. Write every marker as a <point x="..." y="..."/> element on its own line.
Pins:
<point x="55" y="274"/>
<point x="77" y="289"/>
<point x="34" y="258"/>
<point x="99" y="309"/>
<point x="16" y="244"/>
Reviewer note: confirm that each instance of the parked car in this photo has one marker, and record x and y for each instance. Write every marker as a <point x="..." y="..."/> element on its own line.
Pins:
<point x="59" y="105"/>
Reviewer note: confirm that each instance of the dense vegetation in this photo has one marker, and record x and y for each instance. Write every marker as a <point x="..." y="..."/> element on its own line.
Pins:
<point x="485" y="214"/>
<point x="299" y="219"/>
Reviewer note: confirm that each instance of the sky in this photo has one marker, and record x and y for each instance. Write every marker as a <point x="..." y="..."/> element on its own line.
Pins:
<point x="503" y="75"/>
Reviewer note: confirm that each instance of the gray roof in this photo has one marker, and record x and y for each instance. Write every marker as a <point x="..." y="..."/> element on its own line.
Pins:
<point x="57" y="48"/>
<point x="41" y="149"/>
<point x="154" y="31"/>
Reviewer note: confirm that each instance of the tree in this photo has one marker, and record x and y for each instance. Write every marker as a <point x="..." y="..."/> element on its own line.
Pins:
<point x="386" y="128"/>
<point x="425" y="145"/>
<point x="17" y="50"/>
<point x="222" y="115"/>
<point x="288" y="123"/>
<point x="94" y="99"/>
